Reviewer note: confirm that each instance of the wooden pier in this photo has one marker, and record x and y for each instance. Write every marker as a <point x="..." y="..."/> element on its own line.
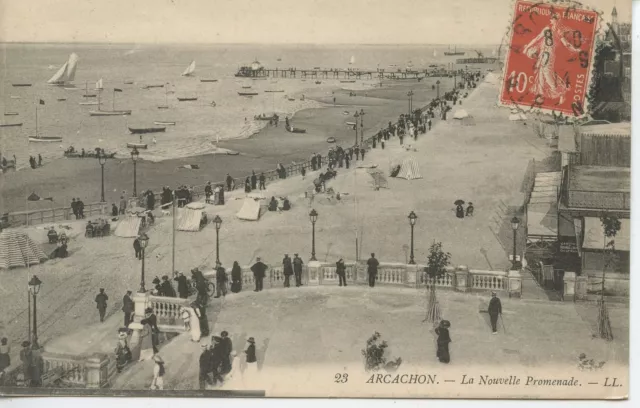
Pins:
<point x="334" y="73"/>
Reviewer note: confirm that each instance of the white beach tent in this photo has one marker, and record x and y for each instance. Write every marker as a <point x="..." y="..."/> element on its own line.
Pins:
<point x="128" y="226"/>
<point x="409" y="170"/>
<point x="250" y="210"/>
<point x="460" y="114"/>
<point x="190" y="217"/>
<point x="18" y="250"/>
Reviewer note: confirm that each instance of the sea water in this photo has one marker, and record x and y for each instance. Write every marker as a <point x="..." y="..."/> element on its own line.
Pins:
<point x="198" y="124"/>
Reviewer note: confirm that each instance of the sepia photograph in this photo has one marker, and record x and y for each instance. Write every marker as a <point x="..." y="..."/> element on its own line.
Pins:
<point x="315" y="198"/>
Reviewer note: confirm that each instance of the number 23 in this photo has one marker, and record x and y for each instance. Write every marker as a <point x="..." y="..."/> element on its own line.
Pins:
<point x="341" y="378"/>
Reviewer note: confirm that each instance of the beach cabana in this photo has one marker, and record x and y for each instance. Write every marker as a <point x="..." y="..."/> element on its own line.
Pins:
<point x="18" y="250"/>
<point x="409" y="170"/>
<point x="250" y="210"/>
<point x="128" y="226"/>
<point x="190" y="217"/>
<point x="460" y="114"/>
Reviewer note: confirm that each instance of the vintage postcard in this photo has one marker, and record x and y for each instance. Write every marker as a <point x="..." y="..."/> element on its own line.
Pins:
<point x="299" y="198"/>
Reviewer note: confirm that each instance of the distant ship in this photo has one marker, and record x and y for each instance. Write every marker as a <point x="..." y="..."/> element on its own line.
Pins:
<point x="254" y="70"/>
<point x="67" y="73"/>
<point x="454" y="52"/>
<point x="352" y="60"/>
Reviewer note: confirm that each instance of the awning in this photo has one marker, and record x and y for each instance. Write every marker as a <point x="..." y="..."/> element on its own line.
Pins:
<point x="542" y="219"/>
<point x="594" y="234"/>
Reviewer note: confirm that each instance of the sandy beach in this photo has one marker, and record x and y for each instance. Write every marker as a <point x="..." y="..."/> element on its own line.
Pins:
<point x="64" y="179"/>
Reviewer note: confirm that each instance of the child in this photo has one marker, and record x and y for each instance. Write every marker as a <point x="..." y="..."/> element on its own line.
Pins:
<point x="186" y="318"/>
<point x="158" y="373"/>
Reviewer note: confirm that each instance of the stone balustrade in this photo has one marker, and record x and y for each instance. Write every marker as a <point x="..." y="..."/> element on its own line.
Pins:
<point x="459" y="278"/>
<point x="167" y="309"/>
<point x="82" y="371"/>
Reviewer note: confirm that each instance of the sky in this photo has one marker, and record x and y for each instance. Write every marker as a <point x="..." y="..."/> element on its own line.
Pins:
<point x="265" y="21"/>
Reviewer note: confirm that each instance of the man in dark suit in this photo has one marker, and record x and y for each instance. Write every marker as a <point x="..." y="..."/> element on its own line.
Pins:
<point x="101" y="303"/>
<point x="297" y="269"/>
<point x="372" y="269"/>
<point x="259" y="269"/>
<point x="183" y="285"/>
<point x="287" y="269"/>
<point x="137" y="248"/>
<point x="128" y="308"/>
<point x="205" y="367"/>
<point x="495" y="309"/>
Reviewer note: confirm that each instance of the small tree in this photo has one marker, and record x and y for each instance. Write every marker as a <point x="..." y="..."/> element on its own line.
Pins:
<point x="437" y="263"/>
<point x="374" y="358"/>
<point x="611" y="226"/>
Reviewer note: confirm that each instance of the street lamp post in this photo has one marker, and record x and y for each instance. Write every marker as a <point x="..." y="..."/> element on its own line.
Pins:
<point x="515" y="223"/>
<point x="410" y="95"/>
<point x="438" y="89"/>
<point x="455" y="74"/>
<point x="144" y="240"/>
<point x="361" y="126"/>
<point x="34" y="288"/>
<point x="356" y="115"/>
<point x="218" y="222"/>
<point x="313" y="216"/>
<point x="412" y="221"/>
<point x="134" y="156"/>
<point x="102" y="159"/>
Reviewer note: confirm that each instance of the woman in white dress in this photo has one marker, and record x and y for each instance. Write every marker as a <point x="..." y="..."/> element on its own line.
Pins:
<point x="158" y="373"/>
<point x="233" y="380"/>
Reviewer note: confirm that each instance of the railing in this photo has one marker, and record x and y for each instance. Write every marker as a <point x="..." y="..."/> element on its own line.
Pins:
<point x="73" y="367"/>
<point x="488" y="280"/>
<point x="168" y="309"/>
<point x="52" y="214"/>
<point x="443" y="281"/>
<point x="614" y="200"/>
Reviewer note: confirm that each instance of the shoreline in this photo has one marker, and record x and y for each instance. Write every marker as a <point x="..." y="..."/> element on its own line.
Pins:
<point x="64" y="178"/>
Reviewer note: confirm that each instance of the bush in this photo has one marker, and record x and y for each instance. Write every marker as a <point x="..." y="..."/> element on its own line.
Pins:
<point x="374" y="355"/>
<point x="585" y="364"/>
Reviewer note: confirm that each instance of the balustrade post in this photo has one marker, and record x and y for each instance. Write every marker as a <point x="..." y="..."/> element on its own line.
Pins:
<point x="314" y="271"/>
<point x="96" y="371"/>
<point x="569" y="281"/>
<point x="410" y="275"/>
<point x="514" y="283"/>
<point x="581" y="287"/>
<point x="461" y="282"/>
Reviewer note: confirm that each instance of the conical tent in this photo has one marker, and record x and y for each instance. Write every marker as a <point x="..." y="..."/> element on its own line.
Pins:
<point x="18" y="250"/>
<point x="128" y="227"/>
<point x="409" y="170"/>
<point x="460" y="114"/>
<point x="190" y="216"/>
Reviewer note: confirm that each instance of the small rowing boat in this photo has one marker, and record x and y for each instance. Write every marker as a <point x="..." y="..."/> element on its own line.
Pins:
<point x="110" y="113"/>
<point x="275" y="90"/>
<point x="136" y="145"/>
<point x="190" y="98"/>
<point x="318" y="82"/>
<point x="15" y="97"/>
<point x="164" y="123"/>
<point x="292" y="99"/>
<point x="45" y="139"/>
<point x="89" y="95"/>
<point x="90" y="103"/>
<point x="246" y="87"/>
<point x="10" y="124"/>
<point x="128" y="82"/>
<point x="348" y="81"/>
<point x="20" y="85"/>
<point x="263" y="117"/>
<point x="247" y="93"/>
<point x="149" y="129"/>
<point x="62" y="99"/>
<point x="11" y="114"/>
<point x="153" y="86"/>
<point x="351" y="123"/>
<point x="208" y="80"/>
<point x="331" y="140"/>
<point x="292" y="129"/>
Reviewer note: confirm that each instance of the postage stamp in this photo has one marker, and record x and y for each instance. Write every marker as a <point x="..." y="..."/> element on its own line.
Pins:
<point x="550" y="57"/>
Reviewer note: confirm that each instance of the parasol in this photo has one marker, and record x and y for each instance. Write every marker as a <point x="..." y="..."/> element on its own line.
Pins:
<point x="459" y="202"/>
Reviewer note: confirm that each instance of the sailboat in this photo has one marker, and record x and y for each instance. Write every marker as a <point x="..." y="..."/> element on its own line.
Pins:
<point x="67" y="73"/>
<point x="37" y="137"/>
<point x="352" y="60"/>
<point x="166" y="98"/>
<point x="435" y="53"/>
<point x="454" y="52"/>
<point x="190" y="69"/>
<point x="113" y="111"/>
<point x="99" y="85"/>
<point x="86" y="91"/>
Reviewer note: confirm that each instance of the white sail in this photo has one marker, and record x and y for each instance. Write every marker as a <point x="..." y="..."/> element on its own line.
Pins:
<point x="58" y="77"/>
<point x="190" y="69"/>
<point x="71" y="68"/>
<point x="99" y="84"/>
<point x="435" y="53"/>
<point x="494" y="53"/>
<point x="352" y="60"/>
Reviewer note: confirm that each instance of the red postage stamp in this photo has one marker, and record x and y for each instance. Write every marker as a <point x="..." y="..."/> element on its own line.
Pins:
<point x="550" y="57"/>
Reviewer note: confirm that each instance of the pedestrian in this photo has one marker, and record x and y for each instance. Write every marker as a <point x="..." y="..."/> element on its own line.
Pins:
<point x="251" y="369"/>
<point x="205" y="367"/>
<point x="114" y="210"/>
<point x="201" y="313"/>
<point x="167" y="289"/>
<point x="356" y="150"/>
<point x="227" y="346"/>
<point x="495" y="310"/>
<point x="262" y="181"/>
<point x="80" y="205"/>
<point x="217" y="355"/>
<point x="297" y="269"/>
<point x="208" y="192"/>
<point x="303" y="172"/>
<point x="183" y="285"/>
<point x="254" y="180"/>
<point x="5" y="358"/>
<point x="443" y="341"/>
<point x="128" y="308"/>
<point x="123" y="204"/>
<point x="37" y="366"/>
<point x="186" y="318"/>
<point x="469" y="212"/>
<point x="372" y="269"/>
<point x="236" y="277"/>
<point x="346" y="160"/>
<point x="221" y="280"/>
<point x="157" y="288"/>
<point x="247" y="185"/>
<point x="39" y="160"/>
<point x="74" y="207"/>
<point x="201" y="286"/>
<point x="158" y="373"/>
<point x="229" y="181"/>
<point x="122" y="351"/>
<point x="287" y="270"/>
<point x="362" y="150"/>
<point x="151" y="320"/>
<point x="341" y="272"/>
<point x="101" y="302"/>
<point x="258" y="270"/>
<point x="26" y="357"/>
